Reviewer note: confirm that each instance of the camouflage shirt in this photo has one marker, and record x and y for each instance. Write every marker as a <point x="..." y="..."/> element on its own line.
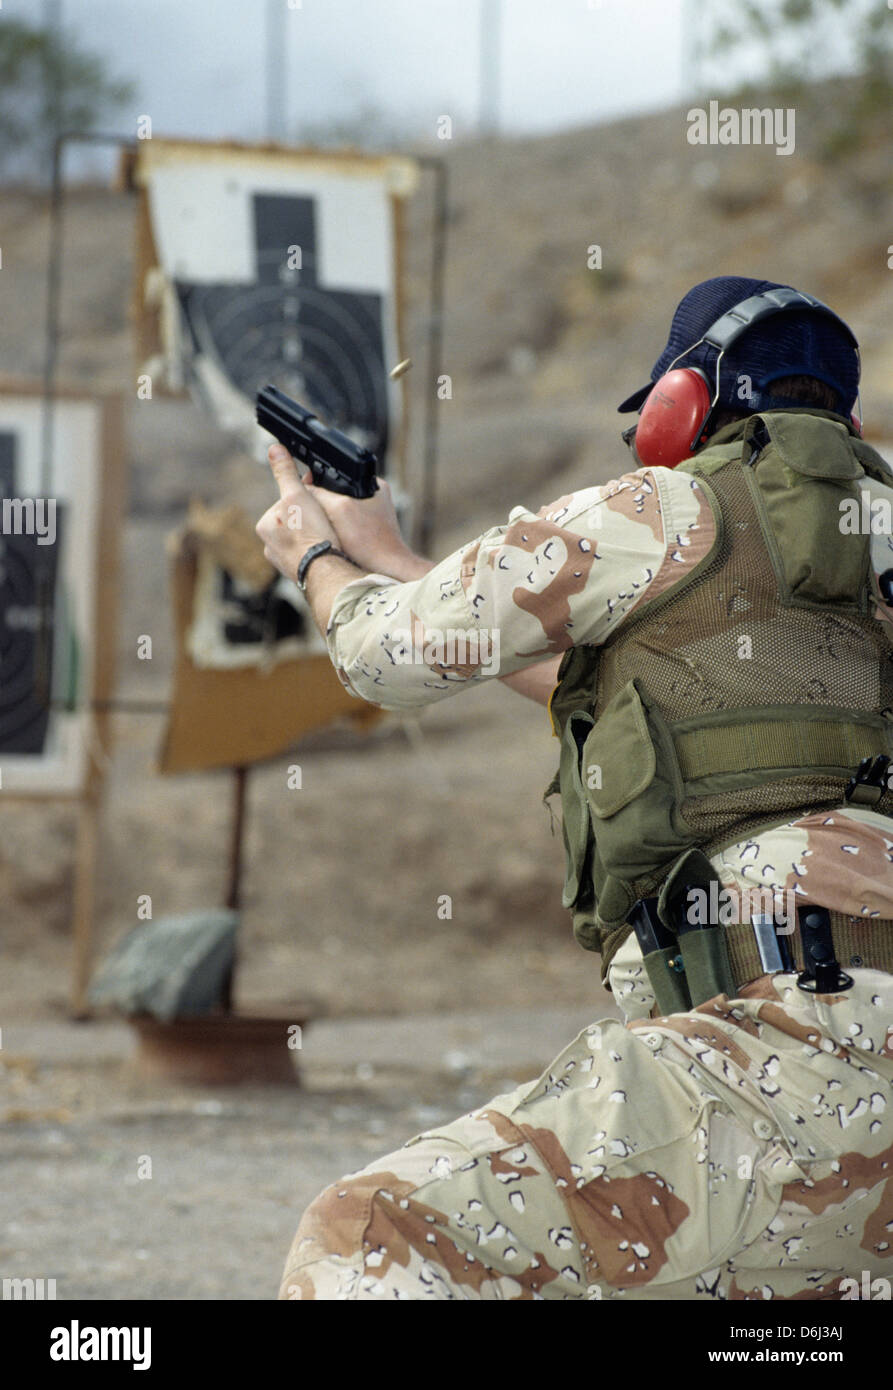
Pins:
<point x="571" y="574"/>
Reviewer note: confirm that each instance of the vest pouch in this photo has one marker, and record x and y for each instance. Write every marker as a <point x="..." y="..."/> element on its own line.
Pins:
<point x="575" y="824"/>
<point x="576" y="830"/>
<point x="582" y="866"/>
<point x="634" y="788"/>
<point x="806" y="469"/>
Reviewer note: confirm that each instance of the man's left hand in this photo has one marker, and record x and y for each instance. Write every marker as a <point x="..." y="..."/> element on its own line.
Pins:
<point x="295" y="522"/>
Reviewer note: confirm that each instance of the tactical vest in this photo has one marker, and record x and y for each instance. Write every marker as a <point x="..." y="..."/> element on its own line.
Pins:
<point x="745" y="695"/>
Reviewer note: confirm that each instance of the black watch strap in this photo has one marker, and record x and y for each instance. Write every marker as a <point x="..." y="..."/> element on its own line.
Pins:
<point x="321" y="548"/>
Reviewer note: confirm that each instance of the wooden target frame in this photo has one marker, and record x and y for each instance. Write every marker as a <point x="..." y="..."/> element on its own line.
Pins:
<point x="97" y="699"/>
<point x="87" y="717"/>
<point x="157" y="319"/>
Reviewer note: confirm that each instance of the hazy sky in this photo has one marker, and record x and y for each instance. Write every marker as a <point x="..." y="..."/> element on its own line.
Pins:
<point x="200" y="64"/>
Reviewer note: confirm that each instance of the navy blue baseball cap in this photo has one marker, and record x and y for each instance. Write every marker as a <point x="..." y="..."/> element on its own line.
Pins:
<point x="811" y="341"/>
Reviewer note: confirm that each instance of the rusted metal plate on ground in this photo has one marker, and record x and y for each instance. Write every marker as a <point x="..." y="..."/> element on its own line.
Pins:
<point x="220" y="1049"/>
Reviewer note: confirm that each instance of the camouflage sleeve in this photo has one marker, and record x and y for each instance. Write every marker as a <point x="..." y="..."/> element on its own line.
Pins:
<point x="522" y="592"/>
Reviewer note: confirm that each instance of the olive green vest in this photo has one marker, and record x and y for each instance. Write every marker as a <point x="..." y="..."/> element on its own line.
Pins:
<point x="744" y="695"/>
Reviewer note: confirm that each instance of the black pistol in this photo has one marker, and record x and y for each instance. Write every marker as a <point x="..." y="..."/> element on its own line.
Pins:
<point x="335" y="461"/>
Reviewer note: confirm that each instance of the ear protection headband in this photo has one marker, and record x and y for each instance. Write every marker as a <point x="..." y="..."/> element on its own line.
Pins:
<point x="674" y="419"/>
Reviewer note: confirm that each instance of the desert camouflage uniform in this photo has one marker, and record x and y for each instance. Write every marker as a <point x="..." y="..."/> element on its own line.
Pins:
<point x="743" y="1150"/>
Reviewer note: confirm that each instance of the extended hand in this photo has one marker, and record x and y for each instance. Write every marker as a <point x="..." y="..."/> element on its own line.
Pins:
<point x="296" y="521"/>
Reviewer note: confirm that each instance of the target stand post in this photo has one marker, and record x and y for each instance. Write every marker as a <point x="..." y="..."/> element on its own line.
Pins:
<point x="233" y="898"/>
<point x="83" y="912"/>
<point x="226" y="1047"/>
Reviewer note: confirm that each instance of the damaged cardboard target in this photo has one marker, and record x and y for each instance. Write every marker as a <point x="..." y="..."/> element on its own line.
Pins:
<point x="251" y="674"/>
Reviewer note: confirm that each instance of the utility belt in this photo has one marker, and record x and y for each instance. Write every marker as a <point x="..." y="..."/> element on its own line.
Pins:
<point x="690" y="963"/>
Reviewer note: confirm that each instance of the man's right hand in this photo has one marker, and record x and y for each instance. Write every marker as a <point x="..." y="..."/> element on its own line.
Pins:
<point x="368" y="531"/>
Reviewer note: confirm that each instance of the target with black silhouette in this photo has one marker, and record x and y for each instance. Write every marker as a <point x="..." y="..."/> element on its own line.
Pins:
<point x="275" y="267"/>
<point x="323" y="345"/>
<point x="59" y="516"/>
<point x="28" y="608"/>
<point x="28" y="635"/>
<point x="257" y="265"/>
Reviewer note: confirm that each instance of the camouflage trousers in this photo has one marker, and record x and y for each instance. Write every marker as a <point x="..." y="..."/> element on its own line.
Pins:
<point x="743" y="1150"/>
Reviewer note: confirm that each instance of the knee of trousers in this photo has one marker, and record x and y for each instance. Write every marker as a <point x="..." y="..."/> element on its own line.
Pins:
<point x="330" y="1245"/>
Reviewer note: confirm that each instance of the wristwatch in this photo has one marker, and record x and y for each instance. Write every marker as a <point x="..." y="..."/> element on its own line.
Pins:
<point x="321" y="548"/>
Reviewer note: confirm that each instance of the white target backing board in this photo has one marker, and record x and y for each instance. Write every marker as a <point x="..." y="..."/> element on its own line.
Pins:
<point x="56" y="553"/>
<point x="277" y="266"/>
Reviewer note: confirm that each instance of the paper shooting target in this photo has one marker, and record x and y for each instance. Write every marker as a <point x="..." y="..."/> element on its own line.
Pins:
<point x="321" y="346"/>
<point x="279" y="267"/>
<point x="51" y="529"/>
<point x="28" y="629"/>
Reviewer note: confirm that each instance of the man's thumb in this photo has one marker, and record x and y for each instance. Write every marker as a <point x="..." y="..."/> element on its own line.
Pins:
<point x="284" y="468"/>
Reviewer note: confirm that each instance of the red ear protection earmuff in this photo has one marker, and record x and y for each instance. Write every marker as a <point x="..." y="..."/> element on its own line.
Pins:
<point x="673" y="417"/>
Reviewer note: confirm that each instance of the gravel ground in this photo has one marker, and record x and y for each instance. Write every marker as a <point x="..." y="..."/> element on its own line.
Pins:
<point x="231" y="1168"/>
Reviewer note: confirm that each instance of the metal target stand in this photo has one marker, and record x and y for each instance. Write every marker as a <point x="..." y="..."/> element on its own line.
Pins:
<point x="86" y="852"/>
